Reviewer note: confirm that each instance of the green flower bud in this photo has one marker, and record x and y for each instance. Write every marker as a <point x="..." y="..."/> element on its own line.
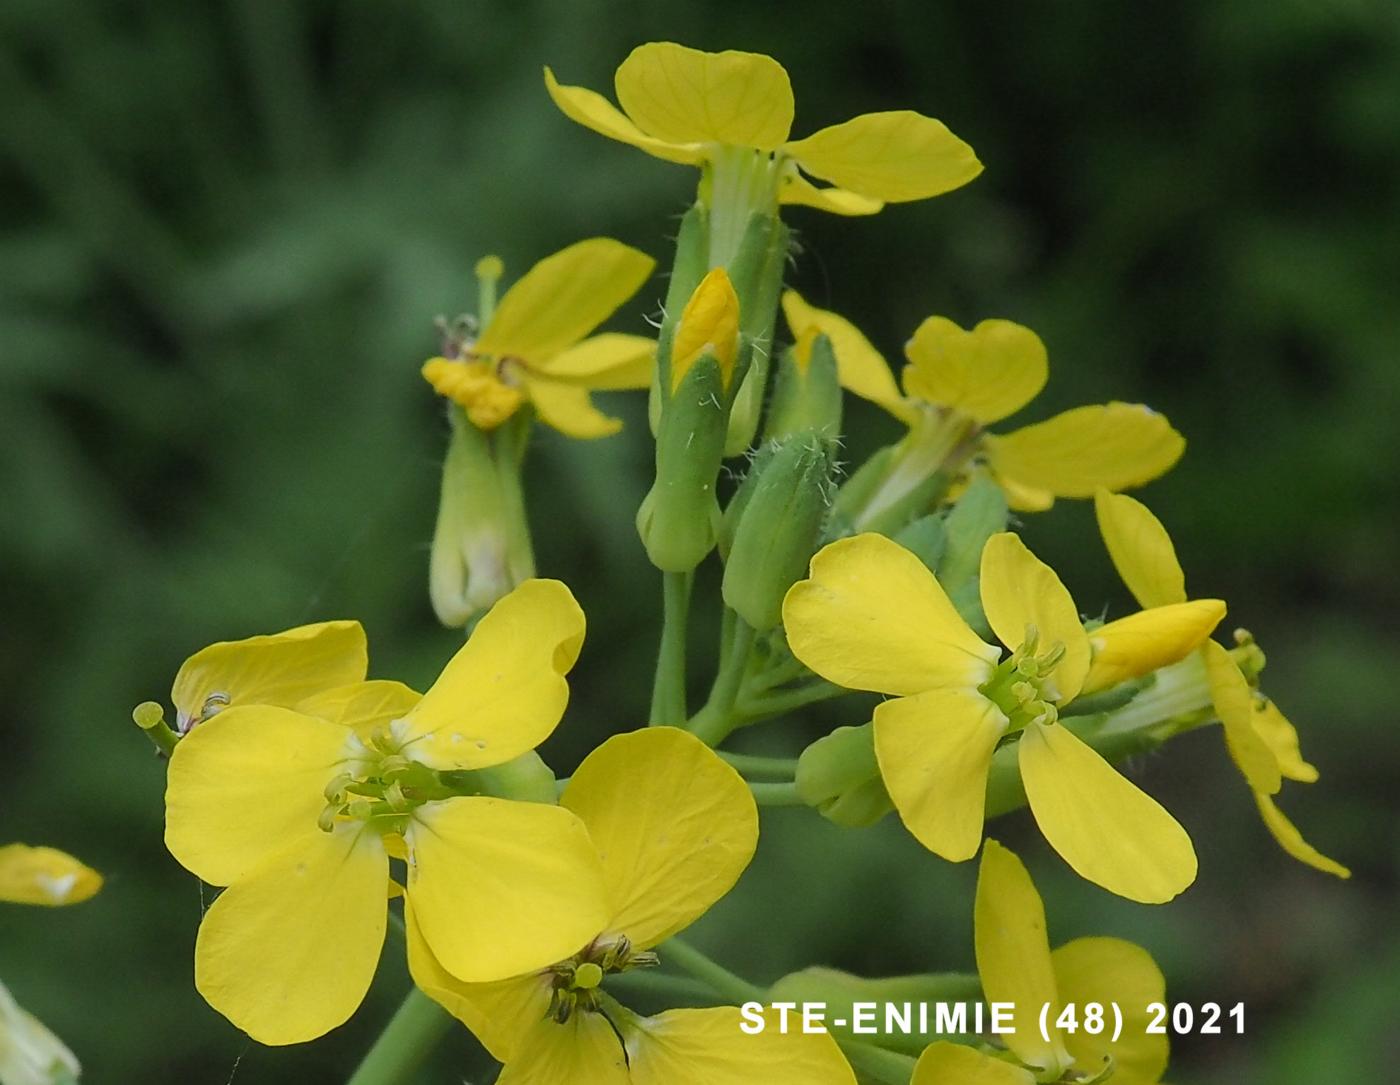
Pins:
<point x="757" y="273"/>
<point x="779" y="529"/>
<point x="807" y="391"/>
<point x="691" y="263"/>
<point x="481" y="543"/>
<point x="839" y="777"/>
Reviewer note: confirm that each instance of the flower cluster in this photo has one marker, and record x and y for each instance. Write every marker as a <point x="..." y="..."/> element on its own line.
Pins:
<point x="336" y="811"/>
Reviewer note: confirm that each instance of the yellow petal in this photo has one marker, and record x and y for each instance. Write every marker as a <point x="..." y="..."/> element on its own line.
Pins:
<point x="683" y="95"/>
<point x="860" y="367"/>
<point x="504" y="691"/>
<point x="39" y="875"/>
<point x="1115" y="446"/>
<point x="501" y="888"/>
<point x="278" y="669"/>
<point x="935" y="750"/>
<point x="592" y="110"/>
<point x="499" y="1014"/>
<point x="1291" y="840"/>
<point x="288" y="953"/>
<point x="1110" y="831"/>
<point x="673" y="824"/>
<point x="1023" y="498"/>
<point x="873" y="617"/>
<point x="563" y="298"/>
<point x="987" y="373"/>
<point x="1141" y="549"/>
<point x="247" y="785"/>
<point x="1013" y="955"/>
<point x="362" y="706"/>
<point x="1109" y="970"/>
<point x="569" y="409"/>
<point x="1234" y="704"/>
<point x="584" y="1049"/>
<point x="709" y="324"/>
<point x="605" y="362"/>
<point x="1019" y="590"/>
<point x="796" y="189"/>
<point x="1142" y="642"/>
<point x="895" y="156"/>
<point x="944" y="1063"/>
<point x="707" y="1047"/>
<point x="1282" y="739"/>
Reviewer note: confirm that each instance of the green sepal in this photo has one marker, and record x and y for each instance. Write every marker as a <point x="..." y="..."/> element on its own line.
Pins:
<point x="855" y="493"/>
<point x="926" y="538"/>
<point x="839" y="777"/>
<point x="806" y="400"/>
<point x="679" y="517"/>
<point x="757" y="274"/>
<point x="1108" y="700"/>
<point x="525" y="778"/>
<point x="977" y="515"/>
<point x="779" y="528"/>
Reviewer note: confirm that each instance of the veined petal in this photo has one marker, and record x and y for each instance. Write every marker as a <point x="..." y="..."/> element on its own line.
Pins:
<point x="362" y="706"/>
<point x="1110" y="831"/>
<point x="47" y="876"/>
<point x="895" y="156"/>
<point x="1013" y="955"/>
<point x="860" y="367"/>
<point x="498" y="1014"/>
<point x="1282" y="739"/>
<point x="583" y="1049"/>
<point x="1142" y="642"/>
<point x="605" y="362"/>
<point x="277" y="669"/>
<point x="796" y="189"/>
<point x="247" y="785"/>
<point x="935" y="750"/>
<point x="673" y="824"/>
<point x="501" y="888"/>
<point x="1108" y="971"/>
<point x="945" y="1063"/>
<point x="707" y="1047"/>
<point x="684" y="95"/>
<point x="569" y="409"/>
<point x="1291" y="840"/>
<point x="563" y="298"/>
<point x="987" y="373"/>
<point x="288" y="953"/>
<point x="504" y="691"/>
<point x="1115" y="446"/>
<point x="873" y="617"/>
<point x="1234" y="704"/>
<point x="1020" y="590"/>
<point x="592" y="110"/>
<point x="1141" y="549"/>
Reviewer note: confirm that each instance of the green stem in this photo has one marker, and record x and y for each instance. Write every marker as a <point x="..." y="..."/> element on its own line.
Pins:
<point x="783" y="793"/>
<point x="713" y="723"/>
<point x="777" y="704"/>
<point x="756" y="765"/>
<point x="668" y="690"/>
<point x="718" y="978"/>
<point x="405" y="1043"/>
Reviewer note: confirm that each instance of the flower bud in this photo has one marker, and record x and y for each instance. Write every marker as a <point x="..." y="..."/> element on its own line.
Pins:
<point x="807" y="391"/>
<point x="481" y="544"/>
<point x="757" y="273"/>
<point x="839" y="776"/>
<point x="709" y="326"/>
<point x="29" y="1053"/>
<point x="778" y="527"/>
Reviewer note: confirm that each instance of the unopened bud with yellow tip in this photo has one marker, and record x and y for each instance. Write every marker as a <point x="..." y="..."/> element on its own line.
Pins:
<point x="709" y="325"/>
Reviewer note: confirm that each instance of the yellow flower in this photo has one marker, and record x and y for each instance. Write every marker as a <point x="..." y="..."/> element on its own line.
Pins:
<point x="276" y="669"/>
<point x="533" y="348"/>
<point x="1261" y="741"/>
<point x="675" y="827"/>
<point x="299" y="813"/>
<point x="693" y="107"/>
<point x="873" y="617"/>
<point x="1017" y="966"/>
<point x="29" y="1053"/>
<point x="958" y="382"/>
<point x="30" y="875"/>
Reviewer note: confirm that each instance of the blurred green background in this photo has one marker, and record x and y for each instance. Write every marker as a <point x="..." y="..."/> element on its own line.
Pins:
<point x="227" y="226"/>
